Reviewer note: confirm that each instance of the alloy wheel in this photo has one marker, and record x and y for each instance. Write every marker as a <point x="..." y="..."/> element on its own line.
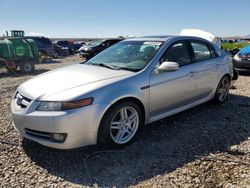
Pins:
<point x="223" y="89"/>
<point x="124" y="125"/>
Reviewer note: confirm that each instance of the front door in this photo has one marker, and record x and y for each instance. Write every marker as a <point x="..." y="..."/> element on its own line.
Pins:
<point x="172" y="90"/>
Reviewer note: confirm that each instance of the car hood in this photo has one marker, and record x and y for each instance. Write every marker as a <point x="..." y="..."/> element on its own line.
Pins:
<point x="62" y="79"/>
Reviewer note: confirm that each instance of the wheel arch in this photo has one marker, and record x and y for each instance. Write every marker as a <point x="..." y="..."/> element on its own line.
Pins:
<point x="129" y="98"/>
<point x="43" y="51"/>
<point x="228" y="75"/>
<point x="118" y="101"/>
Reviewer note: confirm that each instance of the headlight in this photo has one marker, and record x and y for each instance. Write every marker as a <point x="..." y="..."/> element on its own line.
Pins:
<point x="49" y="106"/>
<point x="237" y="58"/>
<point x="60" y="106"/>
<point x="87" y="49"/>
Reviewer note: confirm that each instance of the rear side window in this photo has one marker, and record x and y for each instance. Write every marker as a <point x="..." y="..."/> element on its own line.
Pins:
<point x="178" y="52"/>
<point x="201" y="51"/>
<point x="44" y="40"/>
<point x="63" y="43"/>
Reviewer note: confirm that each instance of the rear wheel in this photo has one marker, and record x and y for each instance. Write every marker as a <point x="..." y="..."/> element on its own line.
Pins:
<point x="222" y="90"/>
<point x="120" y="125"/>
<point x="27" y="67"/>
<point x="42" y="53"/>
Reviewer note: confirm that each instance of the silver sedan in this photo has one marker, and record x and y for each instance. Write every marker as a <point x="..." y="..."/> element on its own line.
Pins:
<point x="110" y="98"/>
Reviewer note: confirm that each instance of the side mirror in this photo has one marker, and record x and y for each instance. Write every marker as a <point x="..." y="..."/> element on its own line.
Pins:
<point x="168" y="66"/>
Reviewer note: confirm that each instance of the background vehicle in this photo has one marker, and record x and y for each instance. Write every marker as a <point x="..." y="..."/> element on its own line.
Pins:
<point x="18" y="52"/>
<point x="242" y="59"/>
<point x="96" y="47"/>
<point x="72" y="47"/>
<point x="45" y="46"/>
<point x="109" y="98"/>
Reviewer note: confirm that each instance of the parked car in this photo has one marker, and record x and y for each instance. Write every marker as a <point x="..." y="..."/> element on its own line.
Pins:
<point x="96" y="47"/>
<point x="45" y="46"/>
<point x="110" y="98"/>
<point x="242" y="59"/>
<point x="234" y="51"/>
<point x="84" y="45"/>
<point x="78" y="45"/>
<point x="65" y="44"/>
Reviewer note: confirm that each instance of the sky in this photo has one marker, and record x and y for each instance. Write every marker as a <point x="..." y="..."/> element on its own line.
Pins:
<point x="112" y="18"/>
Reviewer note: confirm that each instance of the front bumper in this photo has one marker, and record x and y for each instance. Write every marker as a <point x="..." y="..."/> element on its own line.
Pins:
<point x="85" y="54"/>
<point x="242" y="65"/>
<point x="80" y="125"/>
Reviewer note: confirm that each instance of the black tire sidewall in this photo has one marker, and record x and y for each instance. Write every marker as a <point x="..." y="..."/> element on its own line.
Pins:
<point x="22" y="67"/>
<point x="104" y="137"/>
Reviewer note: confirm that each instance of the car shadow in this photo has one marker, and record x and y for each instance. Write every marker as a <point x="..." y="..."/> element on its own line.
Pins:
<point x="52" y="61"/>
<point x="161" y="148"/>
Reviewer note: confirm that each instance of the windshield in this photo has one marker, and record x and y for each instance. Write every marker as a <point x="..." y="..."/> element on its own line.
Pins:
<point x="127" y="55"/>
<point x="96" y="43"/>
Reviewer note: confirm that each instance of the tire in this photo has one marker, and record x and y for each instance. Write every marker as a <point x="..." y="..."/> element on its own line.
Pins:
<point x="123" y="130"/>
<point x="26" y="67"/>
<point x="42" y="53"/>
<point x="222" y="90"/>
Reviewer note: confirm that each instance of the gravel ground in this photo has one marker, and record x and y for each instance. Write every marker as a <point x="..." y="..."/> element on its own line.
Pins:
<point x="207" y="146"/>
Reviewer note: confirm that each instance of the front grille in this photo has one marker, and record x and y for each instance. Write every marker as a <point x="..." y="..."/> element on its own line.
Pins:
<point x="40" y="134"/>
<point x="22" y="101"/>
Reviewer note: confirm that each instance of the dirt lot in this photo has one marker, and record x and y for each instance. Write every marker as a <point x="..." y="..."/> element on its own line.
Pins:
<point x="207" y="146"/>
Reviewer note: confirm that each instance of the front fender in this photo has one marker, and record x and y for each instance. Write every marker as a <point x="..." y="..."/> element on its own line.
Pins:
<point x="128" y="88"/>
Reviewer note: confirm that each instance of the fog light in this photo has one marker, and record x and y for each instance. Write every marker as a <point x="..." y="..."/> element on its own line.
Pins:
<point x="58" y="137"/>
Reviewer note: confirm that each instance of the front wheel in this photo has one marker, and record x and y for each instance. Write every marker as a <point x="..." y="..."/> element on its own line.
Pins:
<point x="120" y="124"/>
<point x="222" y="90"/>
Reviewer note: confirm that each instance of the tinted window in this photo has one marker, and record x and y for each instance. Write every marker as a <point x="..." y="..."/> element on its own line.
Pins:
<point x="114" y="42"/>
<point x="44" y="40"/>
<point x="63" y="43"/>
<point x="110" y="43"/>
<point x="201" y="51"/>
<point x="213" y="53"/>
<point x="106" y="44"/>
<point x="179" y="53"/>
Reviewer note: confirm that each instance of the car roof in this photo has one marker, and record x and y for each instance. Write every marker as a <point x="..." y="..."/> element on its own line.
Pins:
<point x="164" y="38"/>
<point x="35" y="37"/>
<point x="114" y="39"/>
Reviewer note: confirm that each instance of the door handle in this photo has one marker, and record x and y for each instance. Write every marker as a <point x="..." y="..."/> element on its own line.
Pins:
<point x="191" y="73"/>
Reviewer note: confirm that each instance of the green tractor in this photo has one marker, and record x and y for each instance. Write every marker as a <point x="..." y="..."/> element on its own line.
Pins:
<point x="18" y="52"/>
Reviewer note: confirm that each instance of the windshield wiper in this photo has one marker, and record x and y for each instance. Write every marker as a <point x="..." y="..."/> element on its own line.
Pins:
<point x="106" y="65"/>
<point x="129" y="69"/>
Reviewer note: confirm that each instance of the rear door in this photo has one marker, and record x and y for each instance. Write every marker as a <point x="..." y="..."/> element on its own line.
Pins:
<point x="205" y="67"/>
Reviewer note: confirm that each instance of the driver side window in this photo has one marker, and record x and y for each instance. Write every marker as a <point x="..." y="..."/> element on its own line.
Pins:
<point x="178" y="52"/>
